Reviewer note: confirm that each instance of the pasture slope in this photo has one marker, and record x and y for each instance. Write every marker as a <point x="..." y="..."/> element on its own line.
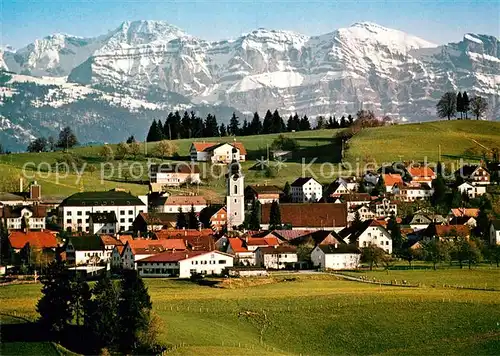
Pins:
<point x="316" y="314"/>
<point x="466" y="139"/>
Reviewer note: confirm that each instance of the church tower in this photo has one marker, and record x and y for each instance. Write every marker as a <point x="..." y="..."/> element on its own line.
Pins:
<point x="235" y="199"/>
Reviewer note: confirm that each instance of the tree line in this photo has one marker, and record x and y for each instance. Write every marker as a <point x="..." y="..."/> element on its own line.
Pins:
<point x="67" y="139"/>
<point x="452" y="103"/>
<point x="189" y="125"/>
<point x="110" y="316"/>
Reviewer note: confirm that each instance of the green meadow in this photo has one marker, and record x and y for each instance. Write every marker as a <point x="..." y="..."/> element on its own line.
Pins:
<point x="314" y="314"/>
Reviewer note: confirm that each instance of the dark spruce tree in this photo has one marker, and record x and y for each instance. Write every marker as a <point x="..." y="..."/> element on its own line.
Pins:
<point x="275" y="216"/>
<point x="245" y="130"/>
<point x="254" y="222"/>
<point x="152" y="132"/>
<point x="234" y="125"/>
<point x="343" y="122"/>
<point x="287" y="193"/>
<point x="192" y="222"/>
<point x="134" y="308"/>
<point x="304" y="125"/>
<point x="268" y="122"/>
<point x="181" y="220"/>
<point x="465" y="105"/>
<point x="186" y="128"/>
<point x="460" y="104"/>
<point x="176" y="126"/>
<point x="350" y="120"/>
<point x="167" y="128"/>
<point x="223" y="131"/>
<point x="277" y="124"/>
<point x="256" y="125"/>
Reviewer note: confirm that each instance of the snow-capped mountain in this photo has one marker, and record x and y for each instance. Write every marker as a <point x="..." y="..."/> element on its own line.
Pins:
<point x="155" y="66"/>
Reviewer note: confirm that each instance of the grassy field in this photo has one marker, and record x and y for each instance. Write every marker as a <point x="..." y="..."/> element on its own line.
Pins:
<point x="317" y="315"/>
<point x="458" y="139"/>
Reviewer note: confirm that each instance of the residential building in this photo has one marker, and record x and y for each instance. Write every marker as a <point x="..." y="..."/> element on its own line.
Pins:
<point x="353" y="199"/>
<point x="147" y="222"/>
<point x="264" y="194"/>
<point x="474" y="174"/>
<point x="446" y="232"/>
<point x="43" y="240"/>
<point x="412" y="192"/>
<point x="384" y="208"/>
<point x="194" y="239"/>
<point x="242" y="255"/>
<point x="217" y="152"/>
<point x="173" y="174"/>
<point x="235" y="195"/>
<point x="33" y="215"/>
<point x="75" y="210"/>
<point x="136" y="250"/>
<point x="472" y="190"/>
<point x="109" y="243"/>
<point x="342" y="186"/>
<point x="116" y="261"/>
<point x="315" y="238"/>
<point x="371" y="232"/>
<point x="218" y="220"/>
<point x="184" y="264"/>
<point x="308" y="216"/>
<point x="86" y="250"/>
<point x="365" y="213"/>
<point x="390" y="180"/>
<point x="306" y="190"/>
<point x="421" y="174"/>
<point x="174" y="203"/>
<point x="495" y="232"/>
<point x="421" y="220"/>
<point x="279" y="257"/>
<point x="102" y="223"/>
<point x="336" y="257"/>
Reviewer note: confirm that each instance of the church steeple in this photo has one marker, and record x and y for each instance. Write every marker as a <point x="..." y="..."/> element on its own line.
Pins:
<point x="235" y="193"/>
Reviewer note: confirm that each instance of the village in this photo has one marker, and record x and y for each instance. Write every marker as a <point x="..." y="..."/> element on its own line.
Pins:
<point x="369" y="219"/>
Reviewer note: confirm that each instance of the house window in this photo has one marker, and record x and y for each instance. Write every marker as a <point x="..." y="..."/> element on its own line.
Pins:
<point x="79" y="213"/>
<point x="122" y="212"/>
<point x="130" y="212"/>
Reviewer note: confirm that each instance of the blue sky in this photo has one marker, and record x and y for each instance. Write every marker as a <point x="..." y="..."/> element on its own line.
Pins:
<point x="439" y="21"/>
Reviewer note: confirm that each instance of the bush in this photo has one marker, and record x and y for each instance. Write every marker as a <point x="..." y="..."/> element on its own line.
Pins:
<point x="164" y="149"/>
<point x="285" y="143"/>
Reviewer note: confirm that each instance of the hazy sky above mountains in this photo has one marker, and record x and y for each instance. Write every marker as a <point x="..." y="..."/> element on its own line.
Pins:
<point x="438" y="21"/>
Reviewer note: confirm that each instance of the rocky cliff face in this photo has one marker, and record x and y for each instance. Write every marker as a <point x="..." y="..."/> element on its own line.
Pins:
<point x="362" y="66"/>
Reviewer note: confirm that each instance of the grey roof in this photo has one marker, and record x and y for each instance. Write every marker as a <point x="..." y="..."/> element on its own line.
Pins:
<point x="87" y="243"/>
<point x="496" y="224"/>
<point x="340" y="248"/>
<point x="112" y="198"/>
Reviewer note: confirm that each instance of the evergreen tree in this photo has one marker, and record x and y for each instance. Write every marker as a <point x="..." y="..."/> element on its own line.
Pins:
<point x="465" y="104"/>
<point x="320" y="123"/>
<point x="38" y="145"/>
<point x="379" y="188"/>
<point x="56" y="304"/>
<point x="275" y="216"/>
<point x="102" y="314"/>
<point x="167" y="128"/>
<point x="293" y="123"/>
<point x="131" y="139"/>
<point x="356" y="223"/>
<point x="268" y="122"/>
<point x="255" y="125"/>
<point x="186" y="128"/>
<point x="335" y="124"/>
<point x="350" y="120"/>
<point x="343" y="122"/>
<point x="153" y="135"/>
<point x="192" y="219"/>
<point x="181" y="220"/>
<point x="245" y="128"/>
<point x="439" y="196"/>
<point x="305" y="125"/>
<point x="396" y="236"/>
<point x="197" y="125"/>
<point x="460" y="104"/>
<point x="234" y="125"/>
<point x="176" y="126"/>
<point x="254" y="223"/>
<point x="223" y="131"/>
<point x="211" y="126"/>
<point x="134" y="308"/>
<point x="277" y="124"/>
<point x="161" y="135"/>
<point x="81" y="299"/>
<point x="287" y="193"/>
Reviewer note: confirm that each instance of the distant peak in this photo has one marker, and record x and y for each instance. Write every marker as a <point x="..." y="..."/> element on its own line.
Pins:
<point x="368" y="24"/>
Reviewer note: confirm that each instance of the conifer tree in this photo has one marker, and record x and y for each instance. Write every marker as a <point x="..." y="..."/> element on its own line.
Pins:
<point x="350" y="120"/>
<point x="245" y="128"/>
<point x="275" y="216"/>
<point x="167" y="128"/>
<point x="287" y="193"/>
<point x="186" y="129"/>
<point x="465" y="104"/>
<point x="343" y="122"/>
<point x="192" y="219"/>
<point x="254" y="223"/>
<point x="268" y="122"/>
<point x="181" y="220"/>
<point x="160" y="131"/>
<point x="255" y="125"/>
<point x="222" y="129"/>
<point x="460" y="104"/>
<point x="234" y="125"/>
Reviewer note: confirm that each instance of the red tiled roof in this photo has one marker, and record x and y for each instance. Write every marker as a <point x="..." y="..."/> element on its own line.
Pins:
<point x="38" y="239"/>
<point x="180" y="234"/>
<point x="110" y="240"/>
<point x="422" y="172"/>
<point x="237" y="245"/>
<point x="452" y="230"/>
<point x="185" y="200"/>
<point x="140" y="246"/>
<point x="459" y="212"/>
<point x="391" y="179"/>
<point x="203" y="146"/>
<point x="171" y="256"/>
<point x="262" y="241"/>
<point x="279" y="249"/>
<point x="309" y="214"/>
<point x="289" y="235"/>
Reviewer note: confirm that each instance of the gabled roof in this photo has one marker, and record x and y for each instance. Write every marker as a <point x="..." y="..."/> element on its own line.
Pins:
<point x="144" y="247"/>
<point x="158" y="218"/>
<point x="103" y="218"/>
<point x="289" y="235"/>
<point x="111" y="198"/>
<point x="458" y="212"/>
<point x="110" y="240"/>
<point x="262" y="241"/>
<point x="265" y="189"/>
<point x="299" y="182"/>
<point x="467" y="170"/>
<point x="278" y="249"/>
<point x="390" y="179"/>
<point x="421" y="172"/>
<point x="318" y="237"/>
<point x="352" y="233"/>
<point x="14" y="212"/>
<point x="210" y="146"/>
<point x="171" y="256"/>
<point x="87" y="243"/>
<point x="194" y="239"/>
<point x="38" y="239"/>
<point x="353" y="197"/>
<point x="185" y="200"/>
<point x="309" y="214"/>
<point x="447" y="230"/>
<point x="237" y="245"/>
<point x="341" y="248"/>
<point x="6" y="196"/>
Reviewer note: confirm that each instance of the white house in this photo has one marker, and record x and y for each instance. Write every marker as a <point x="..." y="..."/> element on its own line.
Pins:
<point x="495" y="232"/>
<point x="86" y="250"/>
<point x="175" y="202"/>
<point x="75" y="210"/>
<point x="276" y="257"/>
<point x="306" y="190"/>
<point x="136" y="250"/>
<point x="102" y="223"/>
<point x="184" y="264"/>
<point x="343" y="186"/>
<point x="172" y="175"/>
<point x="335" y="257"/>
<point x="243" y="248"/>
<point x="370" y="232"/>
<point x="409" y="193"/>
<point x="364" y="211"/>
<point x="475" y="174"/>
<point x="471" y="190"/>
<point x="116" y="257"/>
<point x="384" y="208"/>
<point x="216" y="152"/>
<point x="34" y="216"/>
